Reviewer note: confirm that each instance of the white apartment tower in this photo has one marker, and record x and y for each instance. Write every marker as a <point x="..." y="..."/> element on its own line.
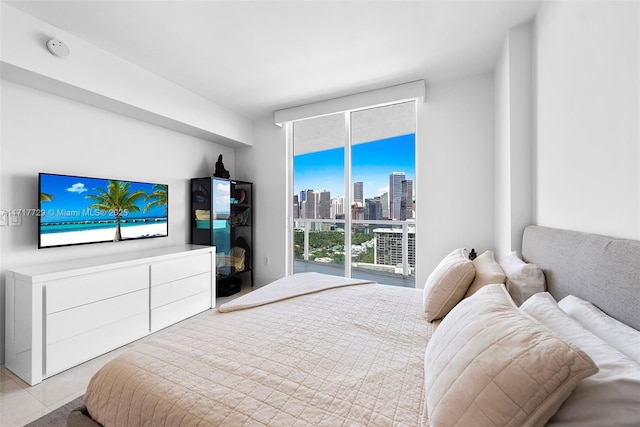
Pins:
<point x="337" y="207"/>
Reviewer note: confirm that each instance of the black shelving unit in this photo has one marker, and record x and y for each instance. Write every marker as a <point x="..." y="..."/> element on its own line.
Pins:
<point x="222" y="216"/>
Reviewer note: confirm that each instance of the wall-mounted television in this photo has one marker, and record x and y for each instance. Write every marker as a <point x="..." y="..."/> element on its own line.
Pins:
<point x="75" y="210"/>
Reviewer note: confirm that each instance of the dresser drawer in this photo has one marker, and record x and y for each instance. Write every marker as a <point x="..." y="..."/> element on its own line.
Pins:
<point x="74" y="350"/>
<point x="173" y="291"/>
<point x="169" y="314"/>
<point x="74" y="291"/>
<point x="78" y="320"/>
<point x="179" y="268"/>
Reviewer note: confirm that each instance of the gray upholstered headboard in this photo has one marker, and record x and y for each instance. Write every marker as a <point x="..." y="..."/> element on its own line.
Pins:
<point x="599" y="269"/>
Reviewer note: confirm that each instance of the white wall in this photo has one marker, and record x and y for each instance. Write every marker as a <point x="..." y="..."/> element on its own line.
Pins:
<point x="579" y="169"/>
<point x="587" y="95"/>
<point x="521" y="137"/>
<point x="514" y="140"/>
<point x="502" y="219"/>
<point x="455" y="170"/>
<point x="454" y="167"/>
<point x="264" y="164"/>
<point x="46" y="133"/>
<point x="95" y="77"/>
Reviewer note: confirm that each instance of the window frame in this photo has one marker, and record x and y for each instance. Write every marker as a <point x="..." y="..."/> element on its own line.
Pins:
<point x="347" y="113"/>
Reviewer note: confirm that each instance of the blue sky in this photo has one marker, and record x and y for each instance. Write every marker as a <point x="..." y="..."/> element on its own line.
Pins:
<point x="69" y="194"/>
<point x="372" y="162"/>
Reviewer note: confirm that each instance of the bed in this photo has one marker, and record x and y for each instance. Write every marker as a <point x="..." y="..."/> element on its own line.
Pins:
<point x="318" y="350"/>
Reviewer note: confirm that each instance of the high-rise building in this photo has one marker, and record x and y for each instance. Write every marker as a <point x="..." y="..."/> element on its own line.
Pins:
<point x="395" y="194"/>
<point x="309" y="205"/>
<point x="296" y="207"/>
<point x="406" y="200"/>
<point x="337" y="207"/>
<point x="388" y="247"/>
<point x="373" y="209"/>
<point x="324" y="205"/>
<point x="384" y="201"/>
<point x="357" y="212"/>
<point x="358" y="192"/>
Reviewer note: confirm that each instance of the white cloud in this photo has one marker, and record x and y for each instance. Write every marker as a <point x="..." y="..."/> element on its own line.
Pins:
<point x="222" y="194"/>
<point x="77" y="188"/>
<point x="383" y="190"/>
<point x="222" y="187"/>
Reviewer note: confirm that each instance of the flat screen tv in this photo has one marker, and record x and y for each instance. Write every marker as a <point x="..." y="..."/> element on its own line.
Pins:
<point x="75" y="210"/>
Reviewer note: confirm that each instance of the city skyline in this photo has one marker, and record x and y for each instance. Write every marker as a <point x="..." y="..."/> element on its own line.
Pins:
<point x="372" y="163"/>
<point x="395" y="205"/>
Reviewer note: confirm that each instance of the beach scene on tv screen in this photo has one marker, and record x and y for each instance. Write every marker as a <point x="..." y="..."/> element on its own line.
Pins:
<point x="76" y="210"/>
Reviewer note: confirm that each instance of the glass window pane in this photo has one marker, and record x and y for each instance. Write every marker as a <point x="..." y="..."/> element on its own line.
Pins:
<point x="383" y="208"/>
<point x="318" y="200"/>
<point x="221" y="190"/>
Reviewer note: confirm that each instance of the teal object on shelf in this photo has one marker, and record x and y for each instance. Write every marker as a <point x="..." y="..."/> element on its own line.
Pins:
<point x="203" y="223"/>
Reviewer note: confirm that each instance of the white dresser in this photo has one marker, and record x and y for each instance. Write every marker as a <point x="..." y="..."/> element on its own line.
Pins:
<point x="63" y="314"/>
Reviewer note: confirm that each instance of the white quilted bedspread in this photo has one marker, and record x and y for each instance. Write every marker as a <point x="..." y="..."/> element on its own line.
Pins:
<point x="348" y="356"/>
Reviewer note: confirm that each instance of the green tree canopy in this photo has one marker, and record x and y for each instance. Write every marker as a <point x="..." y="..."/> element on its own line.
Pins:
<point x="117" y="199"/>
<point x="46" y="197"/>
<point x="157" y="198"/>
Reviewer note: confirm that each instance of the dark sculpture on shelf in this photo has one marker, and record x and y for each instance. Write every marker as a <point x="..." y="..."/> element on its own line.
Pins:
<point x="221" y="172"/>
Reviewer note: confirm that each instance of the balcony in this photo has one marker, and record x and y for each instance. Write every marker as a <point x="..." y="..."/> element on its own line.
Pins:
<point x="301" y="266"/>
<point x="381" y="250"/>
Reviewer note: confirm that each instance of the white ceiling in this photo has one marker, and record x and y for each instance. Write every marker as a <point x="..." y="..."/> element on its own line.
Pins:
<point x="256" y="57"/>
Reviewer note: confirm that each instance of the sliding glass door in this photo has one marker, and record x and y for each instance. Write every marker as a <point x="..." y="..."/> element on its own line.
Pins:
<point x="318" y="199"/>
<point x="354" y="194"/>
<point x="383" y="176"/>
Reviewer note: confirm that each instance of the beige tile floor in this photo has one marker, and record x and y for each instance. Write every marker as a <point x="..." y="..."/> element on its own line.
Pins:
<point x="20" y="403"/>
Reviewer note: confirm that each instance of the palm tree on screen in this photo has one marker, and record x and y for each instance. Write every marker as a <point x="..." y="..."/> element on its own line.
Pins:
<point x="46" y="197"/>
<point x="118" y="200"/>
<point x="158" y="197"/>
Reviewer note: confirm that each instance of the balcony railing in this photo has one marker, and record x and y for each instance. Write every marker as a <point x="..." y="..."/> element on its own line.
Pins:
<point x="394" y="266"/>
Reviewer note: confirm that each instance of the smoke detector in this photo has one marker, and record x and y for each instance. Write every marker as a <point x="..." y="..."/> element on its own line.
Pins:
<point x="58" y="48"/>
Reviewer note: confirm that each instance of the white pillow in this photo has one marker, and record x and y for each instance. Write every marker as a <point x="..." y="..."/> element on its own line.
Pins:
<point x="523" y="280"/>
<point x="488" y="363"/>
<point x="623" y="338"/>
<point x="611" y="397"/>
<point x="488" y="272"/>
<point x="447" y="284"/>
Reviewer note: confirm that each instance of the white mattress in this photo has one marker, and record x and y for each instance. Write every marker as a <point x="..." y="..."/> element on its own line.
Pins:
<point x="345" y="356"/>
